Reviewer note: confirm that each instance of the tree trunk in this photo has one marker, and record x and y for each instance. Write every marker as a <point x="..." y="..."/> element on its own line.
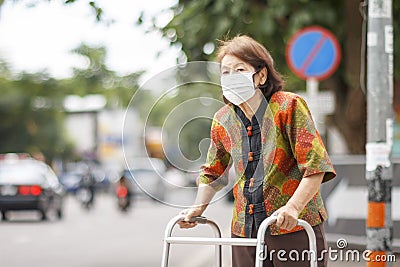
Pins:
<point x="350" y="113"/>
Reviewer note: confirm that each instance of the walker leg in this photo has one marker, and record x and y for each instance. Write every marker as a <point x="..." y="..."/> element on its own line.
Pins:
<point x="167" y="233"/>
<point x="261" y="250"/>
<point x="218" y="248"/>
<point x="165" y="255"/>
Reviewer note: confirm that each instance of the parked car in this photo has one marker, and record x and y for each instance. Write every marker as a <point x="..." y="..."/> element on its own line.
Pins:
<point x="146" y="177"/>
<point x="28" y="184"/>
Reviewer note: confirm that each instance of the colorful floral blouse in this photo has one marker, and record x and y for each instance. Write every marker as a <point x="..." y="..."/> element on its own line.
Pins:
<point x="291" y="149"/>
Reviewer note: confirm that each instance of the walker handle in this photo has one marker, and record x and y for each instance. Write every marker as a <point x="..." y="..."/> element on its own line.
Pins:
<point x="199" y="219"/>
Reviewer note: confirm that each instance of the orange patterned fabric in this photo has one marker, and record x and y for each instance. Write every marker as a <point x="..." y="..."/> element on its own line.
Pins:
<point x="292" y="149"/>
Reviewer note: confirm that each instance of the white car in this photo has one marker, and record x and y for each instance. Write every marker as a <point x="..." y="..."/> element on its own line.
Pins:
<point x="28" y="184"/>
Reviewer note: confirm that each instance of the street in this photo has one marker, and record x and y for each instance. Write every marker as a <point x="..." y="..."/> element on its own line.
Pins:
<point x="104" y="237"/>
<point x="100" y="237"/>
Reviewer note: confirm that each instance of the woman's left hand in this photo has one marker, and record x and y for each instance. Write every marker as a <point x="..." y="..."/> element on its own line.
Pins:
<point x="287" y="217"/>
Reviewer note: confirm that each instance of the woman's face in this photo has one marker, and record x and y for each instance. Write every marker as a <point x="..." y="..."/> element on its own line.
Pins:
<point x="231" y="64"/>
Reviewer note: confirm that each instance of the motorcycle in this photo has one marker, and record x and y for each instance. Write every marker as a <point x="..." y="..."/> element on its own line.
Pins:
<point x="86" y="197"/>
<point x="123" y="194"/>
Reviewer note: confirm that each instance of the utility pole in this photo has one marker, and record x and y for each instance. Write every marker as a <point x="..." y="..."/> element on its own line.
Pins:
<point x="379" y="169"/>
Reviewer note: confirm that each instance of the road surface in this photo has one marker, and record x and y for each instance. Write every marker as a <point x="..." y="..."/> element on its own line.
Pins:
<point x="104" y="237"/>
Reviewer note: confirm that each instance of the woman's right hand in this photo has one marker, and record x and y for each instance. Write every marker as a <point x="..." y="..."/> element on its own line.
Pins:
<point x="190" y="213"/>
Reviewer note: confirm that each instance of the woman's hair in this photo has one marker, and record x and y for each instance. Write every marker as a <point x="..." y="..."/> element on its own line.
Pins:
<point x="255" y="54"/>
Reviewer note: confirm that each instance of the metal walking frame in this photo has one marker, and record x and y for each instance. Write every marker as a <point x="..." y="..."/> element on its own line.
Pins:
<point x="218" y="240"/>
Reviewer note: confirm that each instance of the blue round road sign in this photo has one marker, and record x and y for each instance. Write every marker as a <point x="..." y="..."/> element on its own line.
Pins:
<point x="313" y="52"/>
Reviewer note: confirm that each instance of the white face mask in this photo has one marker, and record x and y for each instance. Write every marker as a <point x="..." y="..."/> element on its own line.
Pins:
<point x="238" y="87"/>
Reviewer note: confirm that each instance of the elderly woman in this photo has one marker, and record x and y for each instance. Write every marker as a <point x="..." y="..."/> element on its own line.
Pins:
<point x="278" y="155"/>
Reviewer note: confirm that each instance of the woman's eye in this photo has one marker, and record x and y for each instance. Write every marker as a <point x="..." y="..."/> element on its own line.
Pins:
<point x="240" y="70"/>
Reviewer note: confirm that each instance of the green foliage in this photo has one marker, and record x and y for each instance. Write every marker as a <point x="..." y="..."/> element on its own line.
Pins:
<point x="31" y="105"/>
<point x="98" y="11"/>
<point x="31" y="116"/>
<point x="96" y="78"/>
<point x="196" y="24"/>
<point x="272" y="22"/>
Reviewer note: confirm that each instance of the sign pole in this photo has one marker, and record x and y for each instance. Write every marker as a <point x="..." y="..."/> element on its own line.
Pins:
<point x="312" y="87"/>
<point x="379" y="170"/>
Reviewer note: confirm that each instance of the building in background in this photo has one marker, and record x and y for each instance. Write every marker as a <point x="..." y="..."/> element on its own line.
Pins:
<point x="105" y="135"/>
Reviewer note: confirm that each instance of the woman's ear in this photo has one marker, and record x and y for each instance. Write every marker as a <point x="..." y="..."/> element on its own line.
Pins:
<point x="263" y="74"/>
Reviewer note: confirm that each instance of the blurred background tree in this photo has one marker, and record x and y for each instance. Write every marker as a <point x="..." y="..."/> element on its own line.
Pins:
<point x="96" y="78"/>
<point x="197" y="25"/>
<point x="31" y="107"/>
<point x="194" y="29"/>
<point x="31" y="113"/>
